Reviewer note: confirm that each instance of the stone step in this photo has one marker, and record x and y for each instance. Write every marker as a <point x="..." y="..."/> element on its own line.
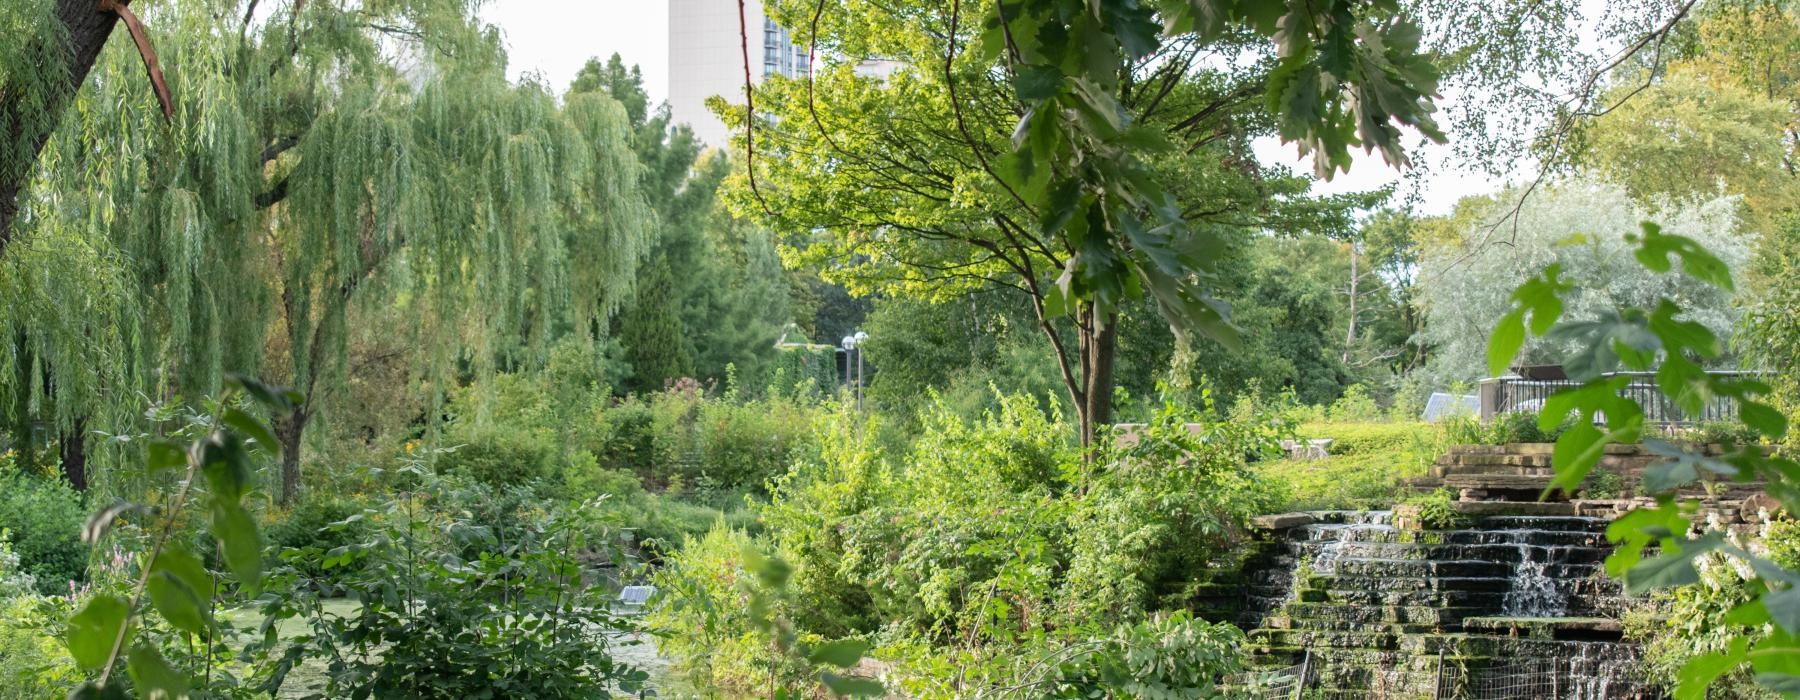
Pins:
<point x="1543" y="537"/>
<point x="1485" y="470"/>
<point x="1485" y="460"/>
<point x="1406" y="614"/>
<point x="1492" y="599"/>
<point x="1280" y="622"/>
<point x="1497" y="482"/>
<point x="1402" y="569"/>
<point x="1503" y="552"/>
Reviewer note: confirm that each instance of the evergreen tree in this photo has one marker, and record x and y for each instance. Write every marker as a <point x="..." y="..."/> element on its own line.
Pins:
<point x="717" y="295"/>
<point x="656" y="342"/>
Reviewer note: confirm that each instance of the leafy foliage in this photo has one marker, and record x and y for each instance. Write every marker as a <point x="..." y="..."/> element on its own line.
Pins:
<point x="1571" y="240"/>
<point x="214" y="469"/>
<point x="44" y="518"/>
<point x="452" y="601"/>
<point x="977" y="538"/>
<point x="1660" y="339"/>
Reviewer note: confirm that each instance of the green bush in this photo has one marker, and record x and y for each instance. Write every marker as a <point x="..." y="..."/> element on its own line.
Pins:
<point x="463" y="590"/>
<point x="1355" y="406"/>
<point x="1437" y="510"/>
<point x="45" y="517"/>
<point x="34" y="665"/>
<point x="1506" y="428"/>
<point x="1162" y="509"/>
<point x="1365" y="438"/>
<point x="315" y="522"/>
<point x="981" y="535"/>
<point x="497" y="455"/>
<point x="1722" y="432"/>
<point x="1362" y="481"/>
<point x="704" y="592"/>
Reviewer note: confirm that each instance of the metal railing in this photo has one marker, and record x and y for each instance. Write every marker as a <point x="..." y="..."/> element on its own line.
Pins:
<point x="1553" y="678"/>
<point x="1513" y="394"/>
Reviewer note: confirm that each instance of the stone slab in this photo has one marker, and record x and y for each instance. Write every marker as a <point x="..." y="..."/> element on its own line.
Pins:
<point x="1282" y="521"/>
<point x="1486" y="508"/>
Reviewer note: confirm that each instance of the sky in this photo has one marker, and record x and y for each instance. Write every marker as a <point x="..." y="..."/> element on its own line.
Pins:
<point x="554" y="46"/>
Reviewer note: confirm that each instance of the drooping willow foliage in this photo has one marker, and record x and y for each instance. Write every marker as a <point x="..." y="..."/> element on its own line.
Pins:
<point x="322" y="155"/>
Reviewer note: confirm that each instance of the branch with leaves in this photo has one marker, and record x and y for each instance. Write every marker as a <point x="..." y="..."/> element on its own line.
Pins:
<point x="179" y="587"/>
<point x="1659" y="547"/>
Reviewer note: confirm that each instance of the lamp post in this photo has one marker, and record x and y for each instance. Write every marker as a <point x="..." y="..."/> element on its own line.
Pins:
<point x="853" y="344"/>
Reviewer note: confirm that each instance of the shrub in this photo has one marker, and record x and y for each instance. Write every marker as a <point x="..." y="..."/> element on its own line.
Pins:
<point x="1437" y="510"/>
<point x="436" y="621"/>
<point x="1723" y="432"/>
<point x="497" y="455"/>
<point x="45" y="517"/>
<point x="705" y="593"/>
<point x="1680" y="623"/>
<point x="1506" y="428"/>
<point x="1160" y="511"/>
<point x="1394" y="439"/>
<point x="1355" y="406"/>
<point x="1361" y="481"/>
<point x="629" y="442"/>
<point x="34" y="665"/>
<point x="315" y="522"/>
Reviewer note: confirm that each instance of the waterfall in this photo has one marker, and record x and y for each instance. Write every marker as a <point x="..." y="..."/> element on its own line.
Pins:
<point x="1518" y="604"/>
<point x="1534" y="593"/>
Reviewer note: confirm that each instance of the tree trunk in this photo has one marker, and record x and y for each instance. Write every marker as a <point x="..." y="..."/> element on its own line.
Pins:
<point x="288" y="429"/>
<point x="1098" y="345"/>
<point x="72" y="446"/>
<point x="24" y="437"/>
<point x="30" y="122"/>
<point x="1350" y="336"/>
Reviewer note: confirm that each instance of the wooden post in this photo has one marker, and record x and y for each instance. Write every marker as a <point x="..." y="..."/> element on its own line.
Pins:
<point x="1305" y="670"/>
<point x="1437" y="684"/>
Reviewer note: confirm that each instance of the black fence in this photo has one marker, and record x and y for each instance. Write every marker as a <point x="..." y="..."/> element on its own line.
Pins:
<point x="1513" y="394"/>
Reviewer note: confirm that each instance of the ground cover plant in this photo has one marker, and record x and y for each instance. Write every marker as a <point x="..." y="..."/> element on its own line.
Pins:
<point x="342" y="354"/>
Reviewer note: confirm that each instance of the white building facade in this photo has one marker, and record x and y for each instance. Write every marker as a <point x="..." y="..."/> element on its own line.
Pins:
<point x="706" y="58"/>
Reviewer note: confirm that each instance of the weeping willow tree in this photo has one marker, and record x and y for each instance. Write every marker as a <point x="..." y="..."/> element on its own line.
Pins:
<point x="324" y="155"/>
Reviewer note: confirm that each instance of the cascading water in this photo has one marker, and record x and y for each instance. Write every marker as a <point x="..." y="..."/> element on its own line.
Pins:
<point x="1534" y="593"/>
<point x="1379" y="611"/>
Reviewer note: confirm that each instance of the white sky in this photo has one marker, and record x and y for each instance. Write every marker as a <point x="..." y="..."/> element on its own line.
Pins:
<point x="554" y="39"/>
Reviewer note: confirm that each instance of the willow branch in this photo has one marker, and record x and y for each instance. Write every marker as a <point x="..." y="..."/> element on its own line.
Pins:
<point x="145" y="51"/>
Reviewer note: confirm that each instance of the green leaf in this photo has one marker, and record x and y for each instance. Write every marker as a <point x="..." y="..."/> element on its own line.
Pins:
<point x="226" y="466"/>
<point x="848" y="686"/>
<point x="153" y="677"/>
<point x="1763" y="418"/>
<point x="1577" y="450"/>
<point x="250" y="427"/>
<point x="1656" y="248"/>
<point x="1504" y="344"/>
<point x="1034" y="83"/>
<point x="180" y="588"/>
<point x="93" y="630"/>
<point x="102" y="520"/>
<point x="165" y="455"/>
<point x="1784" y="607"/>
<point x="276" y="399"/>
<point x="1672" y="568"/>
<point x="843" y="653"/>
<point x="1700" y="671"/>
<point x="238" y="539"/>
